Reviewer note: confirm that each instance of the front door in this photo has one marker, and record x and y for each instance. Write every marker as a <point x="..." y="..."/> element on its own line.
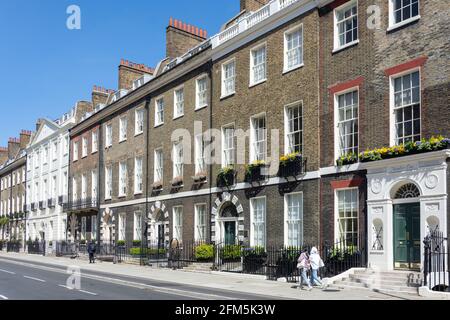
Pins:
<point x="160" y="227"/>
<point x="407" y="236"/>
<point x="230" y="232"/>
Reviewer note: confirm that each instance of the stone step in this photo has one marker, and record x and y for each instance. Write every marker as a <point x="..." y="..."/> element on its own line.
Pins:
<point x="376" y="277"/>
<point x="382" y="281"/>
<point x="381" y="288"/>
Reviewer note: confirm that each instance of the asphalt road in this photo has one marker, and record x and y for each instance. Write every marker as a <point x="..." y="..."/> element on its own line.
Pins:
<point x="39" y="281"/>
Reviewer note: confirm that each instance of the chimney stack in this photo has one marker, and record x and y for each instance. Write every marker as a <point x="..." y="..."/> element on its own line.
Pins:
<point x="130" y="71"/>
<point x="100" y="95"/>
<point x="25" y="138"/>
<point x="3" y="155"/>
<point x="253" y="5"/>
<point x="181" y="37"/>
<point x="13" y="147"/>
<point x="82" y="108"/>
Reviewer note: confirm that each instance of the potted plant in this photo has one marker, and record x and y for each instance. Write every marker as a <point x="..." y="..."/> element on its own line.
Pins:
<point x="290" y="165"/>
<point x="204" y="252"/>
<point x="226" y="176"/>
<point x="177" y="181"/>
<point x="253" y="171"/>
<point x="120" y="243"/>
<point x="157" y="185"/>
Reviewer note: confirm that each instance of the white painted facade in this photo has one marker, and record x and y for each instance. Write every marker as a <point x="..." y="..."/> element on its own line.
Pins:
<point x="428" y="172"/>
<point x="47" y="179"/>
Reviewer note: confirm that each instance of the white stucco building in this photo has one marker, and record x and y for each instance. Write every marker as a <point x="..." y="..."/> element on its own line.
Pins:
<point x="47" y="178"/>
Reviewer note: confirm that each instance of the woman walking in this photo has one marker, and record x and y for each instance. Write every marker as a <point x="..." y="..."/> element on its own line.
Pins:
<point x="303" y="266"/>
<point x="316" y="263"/>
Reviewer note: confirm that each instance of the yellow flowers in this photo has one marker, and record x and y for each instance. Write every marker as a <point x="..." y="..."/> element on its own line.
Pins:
<point x="290" y="157"/>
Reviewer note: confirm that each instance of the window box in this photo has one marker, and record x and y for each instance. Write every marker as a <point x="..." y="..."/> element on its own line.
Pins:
<point x="226" y="177"/>
<point x="349" y="158"/>
<point x="177" y="182"/>
<point x="157" y="185"/>
<point x="200" y="177"/>
<point x="253" y="171"/>
<point x="291" y="165"/>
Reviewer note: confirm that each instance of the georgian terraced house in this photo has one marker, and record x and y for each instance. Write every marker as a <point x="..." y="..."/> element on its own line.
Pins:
<point x="300" y="122"/>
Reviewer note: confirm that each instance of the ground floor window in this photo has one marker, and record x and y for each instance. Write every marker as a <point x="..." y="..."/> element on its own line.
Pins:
<point x="122" y="226"/>
<point x="137" y="226"/>
<point x="94" y="227"/>
<point x="178" y="223"/>
<point x="347" y="216"/>
<point x="200" y="222"/>
<point x="294" y="219"/>
<point x="258" y="222"/>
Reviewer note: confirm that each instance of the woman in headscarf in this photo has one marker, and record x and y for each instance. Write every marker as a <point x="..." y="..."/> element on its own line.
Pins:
<point x="316" y="263"/>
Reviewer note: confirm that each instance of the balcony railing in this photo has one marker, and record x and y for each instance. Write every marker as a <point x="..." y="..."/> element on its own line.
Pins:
<point x="51" y="203"/>
<point x="250" y="21"/>
<point x="42" y="205"/>
<point x="81" y="204"/>
<point x="33" y="206"/>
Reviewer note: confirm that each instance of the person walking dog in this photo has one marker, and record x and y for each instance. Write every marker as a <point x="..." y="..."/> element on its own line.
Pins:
<point x="303" y="265"/>
<point x="316" y="263"/>
<point x="91" y="251"/>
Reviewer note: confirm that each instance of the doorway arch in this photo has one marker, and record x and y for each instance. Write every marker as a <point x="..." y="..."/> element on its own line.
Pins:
<point x="227" y="219"/>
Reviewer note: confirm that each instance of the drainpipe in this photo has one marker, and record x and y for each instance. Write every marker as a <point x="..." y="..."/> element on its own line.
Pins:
<point x="211" y="90"/>
<point x="144" y="219"/>
<point x="100" y="173"/>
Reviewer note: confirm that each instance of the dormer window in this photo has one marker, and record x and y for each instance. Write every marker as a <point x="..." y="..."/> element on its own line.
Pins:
<point x="141" y="81"/>
<point x="119" y="94"/>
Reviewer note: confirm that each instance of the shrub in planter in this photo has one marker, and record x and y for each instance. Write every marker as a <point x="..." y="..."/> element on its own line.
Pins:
<point x="120" y="243"/>
<point x="225" y="177"/>
<point x="204" y="252"/>
<point x="290" y="164"/>
<point x="82" y="242"/>
<point x="231" y="252"/>
<point x="137" y="243"/>
<point x="347" y="159"/>
<point x="253" y="171"/>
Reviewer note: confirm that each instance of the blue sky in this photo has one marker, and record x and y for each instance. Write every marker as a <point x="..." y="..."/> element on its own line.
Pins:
<point x="46" y="68"/>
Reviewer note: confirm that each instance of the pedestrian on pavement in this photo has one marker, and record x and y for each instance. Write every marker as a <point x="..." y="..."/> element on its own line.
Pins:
<point x="316" y="263"/>
<point x="303" y="266"/>
<point x="91" y="251"/>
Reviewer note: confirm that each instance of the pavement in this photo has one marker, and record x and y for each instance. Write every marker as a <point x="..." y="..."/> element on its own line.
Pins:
<point x="45" y="278"/>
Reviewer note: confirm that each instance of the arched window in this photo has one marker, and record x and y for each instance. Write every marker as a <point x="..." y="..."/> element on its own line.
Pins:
<point x="229" y="211"/>
<point x="406" y="191"/>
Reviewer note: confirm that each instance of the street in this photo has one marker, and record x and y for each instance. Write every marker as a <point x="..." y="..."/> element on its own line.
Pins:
<point x="40" y="281"/>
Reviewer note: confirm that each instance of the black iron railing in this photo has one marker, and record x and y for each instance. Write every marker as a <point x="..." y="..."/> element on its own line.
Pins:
<point x="51" y="203"/>
<point x="436" y="262"/>
<point x="184" y="253"/>
<point x="82" y="204"/>
<point x="36" y="247"/>
<point x="13" y="246"/>
<point x="33" y="206"/>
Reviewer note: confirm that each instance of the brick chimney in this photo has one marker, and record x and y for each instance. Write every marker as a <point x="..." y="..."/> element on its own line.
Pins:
<point x="130" y="71"/>
<point x="25" y="138"/>
<point x="253" y="5"/>
<point x="100" y="95"/>
<point x="3" y="155"/>
<point x="82" y="108"/>
<point x="13" y="147"/>
<point x="181" y="37"/>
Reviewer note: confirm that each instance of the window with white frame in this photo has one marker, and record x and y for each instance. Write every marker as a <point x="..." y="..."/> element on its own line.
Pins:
<point x="74" y="190"/>
<point x="346" y="25"/>
<point x="108" y="136"/>
<point x="406" y="105"/>
<point x="199" y="154"/>
<point x="402" y="11"/>
<point x="158" y="165"/>
<point x="178" y="159"/>
<point x="294" y="219"/>
<point x="36" y="158"/>
<point x="45" y="155"/>
<point x="84" y="147"/>
<point x="123" y="179"/>
<point x="159" y="111"/>
<point x="200" y="222"/>
<point x="139" y="122"/>
<point x="83" y="187"/>
<point x="258" y="139"/>
<point x="94" y="141"/>
<point x="94" y="191"/>
<point x="122" y="226"/>
<point x="54" y="187"/>
<point x="123" y="124"/>
<point x="258" y="63"/>
<point x="93" y="227"/>
<point x="178" y="223"/>
<point x="293" y="48"/>
<point x="178" y="107"/>
<point x="66" y="145"/>
<point x="258" y="222"/>
<point x="347" y="105"/>
<point x="294" y="128"/>
<point x="137" y="226"/>
<point x="108" y="182"/>
<point x="228" y="78"/>
<point x="347" y="216"/>
<point x="202" y="93"/>
<point x="138" y="175"/>
<point x="75" y="151"/>
<point x="55" y="150"/>
<point x="228" y="156"/>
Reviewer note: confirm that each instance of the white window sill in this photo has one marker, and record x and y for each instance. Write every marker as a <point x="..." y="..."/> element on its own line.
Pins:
<point x="138" y="133"/>
<point x="158" y="124"/>
<point x="120" y="196"/>
<point x="347" y="45"/>
<point x="123" y="140"/>
<point x="403" y="23"/>
<point x="293" y="68"/>
<point x="84" y="157"/>
<point x="227" y="95"/>
<point x="108" y="199"/>
<point x="201" y="107"/>
<point x="139" y="193"/>
<point x="257" y="83"/>
<point x="178" y="116"/>
<point x="94" y="152"/>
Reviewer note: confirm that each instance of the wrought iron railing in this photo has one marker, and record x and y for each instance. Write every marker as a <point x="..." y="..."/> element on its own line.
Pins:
<point x="81" y="204"/>
<point x="436" y="262"/>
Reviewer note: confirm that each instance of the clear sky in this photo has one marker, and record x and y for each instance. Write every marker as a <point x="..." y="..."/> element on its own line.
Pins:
<point x="45" y="67"/>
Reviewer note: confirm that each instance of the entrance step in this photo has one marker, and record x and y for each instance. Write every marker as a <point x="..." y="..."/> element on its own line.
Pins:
<point x="199" y="267"/>
<point x="395" y="281"/>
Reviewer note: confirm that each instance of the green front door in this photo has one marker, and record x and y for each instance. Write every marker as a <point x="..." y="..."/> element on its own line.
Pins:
<point x="407" y="236"/>
<point x="230" y="232"/>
